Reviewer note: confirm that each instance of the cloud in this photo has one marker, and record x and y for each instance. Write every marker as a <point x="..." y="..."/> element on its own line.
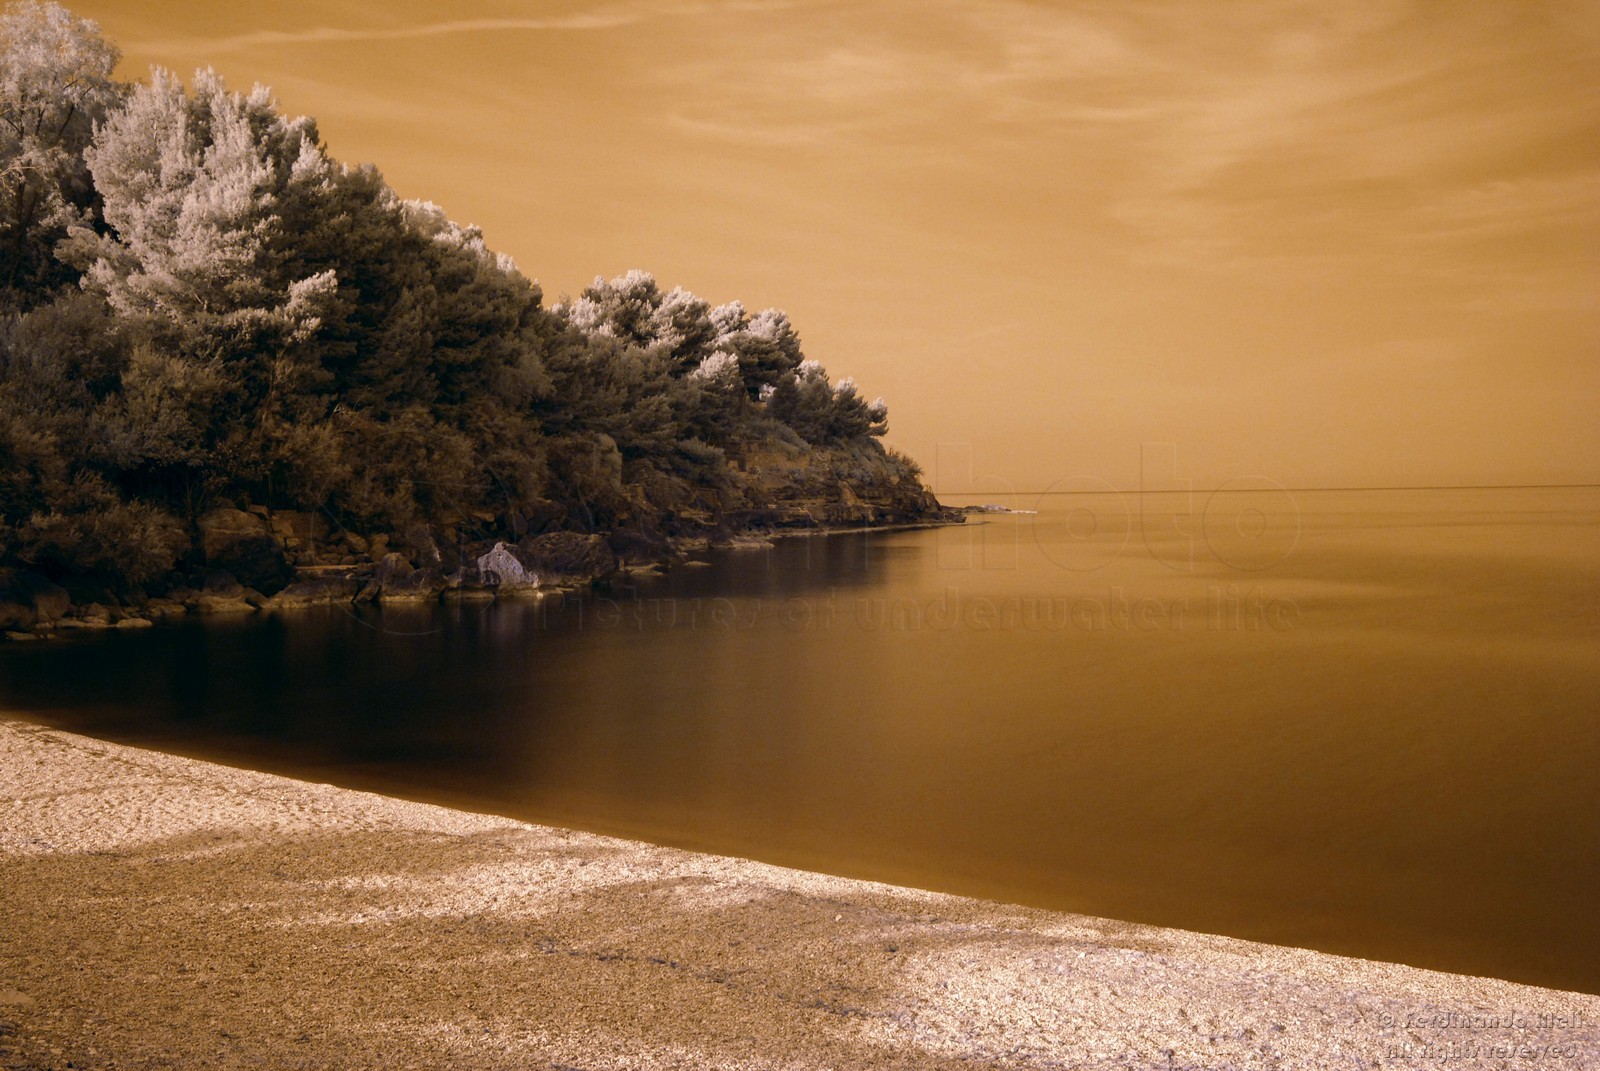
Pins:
<point x="608" y="17"/>
<point x="1250" y="137"/>
<point x="331" y="35"/>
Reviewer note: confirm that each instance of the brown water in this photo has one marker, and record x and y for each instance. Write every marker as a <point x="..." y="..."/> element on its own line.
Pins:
<point x="1364" y="722"/>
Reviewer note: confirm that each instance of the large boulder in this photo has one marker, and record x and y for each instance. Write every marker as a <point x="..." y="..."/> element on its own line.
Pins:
<point x="424" y="549"/>
<point x="571" y="555"/>
<point x="28" y="599"/>
<point x="242" y="543"/>
<point x="397" y="581"/>
<point x="221" y="593"/>
<point x="316" y="591"/>
<point x="504" y="569"/>
<point x="632" y="545"/>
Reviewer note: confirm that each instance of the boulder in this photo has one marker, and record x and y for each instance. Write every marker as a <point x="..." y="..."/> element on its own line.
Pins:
<point x="569" y="554"/>
<point x="419" y="543"/>
<point x="637" y="545"/>
<point x="222" y="604"/>
<point x="305" y="525"/>
<point x="398" y="582"/>
<point x="504" y="569"/>
<point x="28" y="599"/>
<point x="540" y="516"/>
<point x="423" y="585"/>
<point x="317" y="591"/>
<point x="221" y="583"/>
<point x="96" y="615"/>
<point x="391" y="567"/>
<point x="242" y="543"/>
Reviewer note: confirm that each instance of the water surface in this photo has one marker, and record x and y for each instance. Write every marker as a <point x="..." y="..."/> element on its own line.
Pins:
<point x="1364" y="722"/>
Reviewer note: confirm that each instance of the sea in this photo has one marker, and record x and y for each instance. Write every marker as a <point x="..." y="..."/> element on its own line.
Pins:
<point x="1361" y="721"/>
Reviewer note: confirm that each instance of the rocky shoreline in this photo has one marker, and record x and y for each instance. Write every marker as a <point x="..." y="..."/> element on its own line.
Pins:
<point x="163" y="912"/>
<point x="256" y="560"/>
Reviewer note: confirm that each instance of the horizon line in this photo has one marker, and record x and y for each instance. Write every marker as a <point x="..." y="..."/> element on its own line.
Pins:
<point x="1258" y="490"/>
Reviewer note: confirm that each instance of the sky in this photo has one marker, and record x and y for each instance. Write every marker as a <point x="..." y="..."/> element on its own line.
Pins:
<point x="1075" y="245"/>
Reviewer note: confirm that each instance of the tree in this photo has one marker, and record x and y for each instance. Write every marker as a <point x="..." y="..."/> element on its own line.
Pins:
<point x="766" y="345"/>
<point x="623" y="308"/>
<point x="264" y="285"/>
<point x="55" y="85"/>
<point x="255" y="321"/>
<point x="822" y="413"/>
<point x="190" y="264"/>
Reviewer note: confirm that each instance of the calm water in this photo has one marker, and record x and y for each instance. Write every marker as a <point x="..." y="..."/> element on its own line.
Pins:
<point x="1365" y="722"/>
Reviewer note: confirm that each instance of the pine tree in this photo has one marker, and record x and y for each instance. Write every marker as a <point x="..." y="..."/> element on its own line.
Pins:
<point x="55" y="84"/>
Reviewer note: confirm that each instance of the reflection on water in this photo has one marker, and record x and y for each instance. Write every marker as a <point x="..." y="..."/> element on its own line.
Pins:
<point x="1364" y="722"/>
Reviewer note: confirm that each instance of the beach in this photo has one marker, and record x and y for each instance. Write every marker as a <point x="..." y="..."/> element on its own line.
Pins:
<point x="158" y="911"/>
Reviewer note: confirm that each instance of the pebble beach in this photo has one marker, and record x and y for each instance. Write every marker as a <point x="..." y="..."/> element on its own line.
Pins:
<point x="163" y="912"/>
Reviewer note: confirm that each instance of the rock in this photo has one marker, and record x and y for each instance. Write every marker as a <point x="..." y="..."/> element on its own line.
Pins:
<point x="318" y="591"/>
<point x="21" y="637"/>
<point x="569" y="554"/>
<point x="774" y="517"/>
<point x="15" y="613"/>
<point x="356" y="543"/>
<point x="418" y="540"/>
<point x="540" y="516"/>
<point x="28" y="599"/>
<point x="222" y="604"/>
<point x="398" y="582"/>
<point x="423" y="585"/>
<point x="392" y="566"/>
<point x="96" y="615"/>
<point x="841" y="513"/>
<point x="221" y="583"/>
<point x="306" y="526"/>
<point x="165" y="607"/>
<point x="243" y="544"/>
<point x="503" y="568"/>
<point x="135" y="622"/>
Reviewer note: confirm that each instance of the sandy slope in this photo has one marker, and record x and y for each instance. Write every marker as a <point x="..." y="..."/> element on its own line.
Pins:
<point x="161" y="912"/>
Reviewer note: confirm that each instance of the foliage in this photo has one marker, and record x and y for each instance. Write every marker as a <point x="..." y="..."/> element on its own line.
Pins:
<point x="197" y="304"/>
<point x="55" y="85"/>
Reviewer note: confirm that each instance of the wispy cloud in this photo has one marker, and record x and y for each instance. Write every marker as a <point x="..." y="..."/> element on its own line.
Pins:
<point x="605" y="17"/>
<point x="331" y="35"/>
<point x="1253" y="136"/>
